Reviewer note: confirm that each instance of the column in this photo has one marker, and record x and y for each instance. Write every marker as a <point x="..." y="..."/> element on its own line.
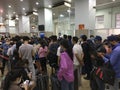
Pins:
<point x="45" y="18"/>
<point x="85" y="13"/>
<point x="24" y="24"/>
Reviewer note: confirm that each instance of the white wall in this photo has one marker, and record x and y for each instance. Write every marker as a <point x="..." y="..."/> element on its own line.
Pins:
<point x="109" y="16"/>
<point x="85" y="13"/>
<point x="48" y="20"/>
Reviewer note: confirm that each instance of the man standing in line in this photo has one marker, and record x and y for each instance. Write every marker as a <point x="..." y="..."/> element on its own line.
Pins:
<point x="77" y="59"/>
<point x="26" y="52"/>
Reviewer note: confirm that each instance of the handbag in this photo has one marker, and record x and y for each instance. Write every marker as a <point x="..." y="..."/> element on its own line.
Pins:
<point x="106" y="73"/>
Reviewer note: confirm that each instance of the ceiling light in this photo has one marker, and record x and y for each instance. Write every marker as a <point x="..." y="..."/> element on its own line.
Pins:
<point x="67" y="4"/>
<point x="35" y="10"/>
<point x="69" y="0"/>
<point x="1" y="11"/>
<point x="61" y="15"/>
<point x="53" y="13"/>
<point x="50" y="6"/>
<point x="16" y="15"/>
<point x="37" y="3"/>
<point x="35" y="13"/>
<point x="113" y="0"/>
<point x="69" y="11"/>
<point x="21" y="0"/>
<point x="17" y="18"/>
<point x="6" y="15"/>
<point x="14" y="12"/>
<point x="23" y="8"/>
<point x="9" y="6"/>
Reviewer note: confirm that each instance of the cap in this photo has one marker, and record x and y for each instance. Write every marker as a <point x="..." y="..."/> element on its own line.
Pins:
<point x="112" y="38"/>
<point x="99" y="38"/>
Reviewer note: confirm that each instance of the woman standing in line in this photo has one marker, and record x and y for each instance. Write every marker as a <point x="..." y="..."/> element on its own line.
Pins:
<point x="66" y="70"/>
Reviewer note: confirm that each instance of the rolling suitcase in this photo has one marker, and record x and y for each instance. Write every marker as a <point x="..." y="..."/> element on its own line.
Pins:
<point x="55" y="83"/>
<point x="42" y="82"/>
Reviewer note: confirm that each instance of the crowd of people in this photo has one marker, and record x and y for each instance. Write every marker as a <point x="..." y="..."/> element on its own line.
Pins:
<point x="69" y="57"/>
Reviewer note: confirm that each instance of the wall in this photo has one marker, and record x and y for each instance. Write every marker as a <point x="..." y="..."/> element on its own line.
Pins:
<point x="109" y="16"/>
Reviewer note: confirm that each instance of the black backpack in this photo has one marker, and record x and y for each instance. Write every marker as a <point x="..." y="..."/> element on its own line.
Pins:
<point x="106" y="73"/>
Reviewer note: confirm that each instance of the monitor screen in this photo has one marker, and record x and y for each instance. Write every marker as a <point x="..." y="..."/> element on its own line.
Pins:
<point x="41" y="27"/>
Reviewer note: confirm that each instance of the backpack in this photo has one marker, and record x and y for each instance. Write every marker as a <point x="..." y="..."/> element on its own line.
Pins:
<point x="106" y="73"/>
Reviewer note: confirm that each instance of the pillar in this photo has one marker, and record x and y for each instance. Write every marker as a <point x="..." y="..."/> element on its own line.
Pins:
<point x="85" y="13"/>
<point x="45" y="18"/>
<point x="24" y="24"/>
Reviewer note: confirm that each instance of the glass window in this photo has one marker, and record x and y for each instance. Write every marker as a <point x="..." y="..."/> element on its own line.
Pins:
<point x="117" y="20"/>
<point x="99" y="22"/>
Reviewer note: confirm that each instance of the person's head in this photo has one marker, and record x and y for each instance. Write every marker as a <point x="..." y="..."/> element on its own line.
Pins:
<point x="108" y="47"/>
<point x="113" y="39"/>
<point x="91" y="36"/>
<point x="64" y="44"/>
<point x="75" y="40"/>
<point x="42" y="43"/>
<point x="7" y="41"/>
<point x="101" y="50"/>
<point x="69" y="37"/>
<point x="65" y="36"/>
<point x="54" y="38"/>
<point x="98" y="39"/>
<point x="65" y="47"/>
<point x="26" y="38"/>
<point x="13" y="76"/>
<point x="83" y="37"/>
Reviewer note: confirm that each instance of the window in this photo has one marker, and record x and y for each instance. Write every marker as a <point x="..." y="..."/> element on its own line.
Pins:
<point x="99" y="22"/>
<point x="117" y="20"/>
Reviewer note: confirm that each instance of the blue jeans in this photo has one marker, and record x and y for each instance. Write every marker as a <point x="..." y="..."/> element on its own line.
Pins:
<point x="67" y="85"/>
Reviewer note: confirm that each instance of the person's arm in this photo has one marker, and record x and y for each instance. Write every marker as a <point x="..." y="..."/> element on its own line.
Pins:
<point x="79" y="57"/>
<point x="115" y="56"/>
<point x="20" y="55"/>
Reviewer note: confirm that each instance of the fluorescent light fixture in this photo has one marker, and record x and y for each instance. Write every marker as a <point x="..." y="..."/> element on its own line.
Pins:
<point x="113" y="0"/>
<point x="50" y="6"/>
<point x="69" y="0"/>
<point x="23" y="8"/>
<point x="6" y="15"/>
<point x="17" y="18"/>
<point x="69" y="11"/>
<point x="67" y="4"/>
<point x="21" y="0"/>
<point x="9" y="6"/>
<point x="35" y="10"/>
<point x="35" y="13"/>
<point x="14" y="12"/>
<point x="61" y="15"/>
<point x="37" y="3"/>
<point x="1" y="11"/>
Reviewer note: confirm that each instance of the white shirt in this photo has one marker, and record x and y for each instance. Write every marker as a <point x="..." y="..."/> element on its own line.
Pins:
<point x="77" y="49"/>
<point x="58" y="51"/>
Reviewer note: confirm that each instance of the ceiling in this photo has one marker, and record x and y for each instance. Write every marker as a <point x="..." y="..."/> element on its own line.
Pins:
<point x="9" y="8"/>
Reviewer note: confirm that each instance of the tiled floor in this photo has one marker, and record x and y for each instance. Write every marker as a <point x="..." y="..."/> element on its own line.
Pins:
<point x="85" y="85"/>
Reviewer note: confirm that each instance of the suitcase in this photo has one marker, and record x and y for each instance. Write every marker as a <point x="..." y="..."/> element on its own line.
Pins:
<point x="42" y="82"/>
<point x="55" y="83"/>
